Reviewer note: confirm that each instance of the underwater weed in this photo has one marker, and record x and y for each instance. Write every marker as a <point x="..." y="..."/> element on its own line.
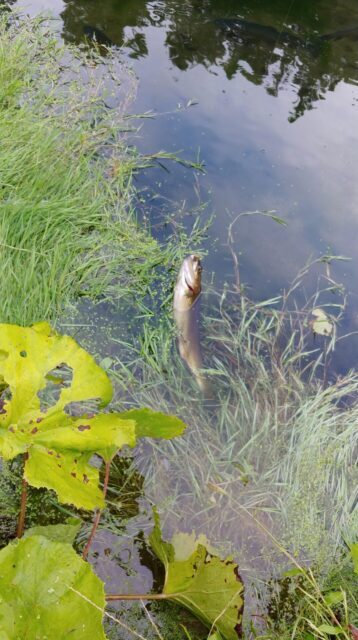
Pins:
<point x="276" y="448"/>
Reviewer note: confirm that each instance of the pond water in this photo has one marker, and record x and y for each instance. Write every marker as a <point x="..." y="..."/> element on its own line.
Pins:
<point x="274" y="119"/>
<point x="266" y="95"/>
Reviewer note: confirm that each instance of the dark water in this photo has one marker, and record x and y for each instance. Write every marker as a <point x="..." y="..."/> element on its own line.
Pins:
<point x="275" y="122"/>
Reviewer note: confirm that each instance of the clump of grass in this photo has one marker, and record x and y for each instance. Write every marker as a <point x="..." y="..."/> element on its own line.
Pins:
<point x="67" y="217"/>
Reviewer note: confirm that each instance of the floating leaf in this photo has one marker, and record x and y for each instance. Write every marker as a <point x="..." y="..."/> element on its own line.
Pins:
<point x="209" y="587"/>
<point x="60" y="446"/>
<point x="57" y="532"/>
<point x="322" y="325"/>
<point x="38" y="599"/>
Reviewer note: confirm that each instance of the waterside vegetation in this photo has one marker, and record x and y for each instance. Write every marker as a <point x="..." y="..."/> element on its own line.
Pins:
<point x="272" y="477"/>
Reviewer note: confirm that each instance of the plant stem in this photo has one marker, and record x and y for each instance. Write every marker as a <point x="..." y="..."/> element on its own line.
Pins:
<point x="22" y="514"/>
<point x="98" y="513"/>
<point x="140" y="596"/>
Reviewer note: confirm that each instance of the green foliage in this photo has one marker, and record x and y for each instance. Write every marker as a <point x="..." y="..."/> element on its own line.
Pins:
<point x="48" y="591"/>
<point x="209" y="587"/>
<point x="68" y="221"/>
<point x="59" y="447"/>
<point x="57" y="532"/>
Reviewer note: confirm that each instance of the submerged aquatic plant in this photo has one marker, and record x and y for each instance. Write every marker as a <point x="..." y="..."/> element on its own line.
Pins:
<point x="275" y="452"/>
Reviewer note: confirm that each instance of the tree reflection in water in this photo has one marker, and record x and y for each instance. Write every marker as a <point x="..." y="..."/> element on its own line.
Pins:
<point x="263" y="42"/>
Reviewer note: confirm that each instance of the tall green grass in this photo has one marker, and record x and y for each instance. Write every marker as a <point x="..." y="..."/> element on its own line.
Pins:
<point x="67" y="216"/>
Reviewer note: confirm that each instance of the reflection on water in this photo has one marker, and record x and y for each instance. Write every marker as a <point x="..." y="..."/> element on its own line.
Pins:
<point x="302" y="47"/>
<point x="275" y="122"/>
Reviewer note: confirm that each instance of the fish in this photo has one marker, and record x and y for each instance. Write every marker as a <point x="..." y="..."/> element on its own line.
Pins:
<point x="97" y="35"/>
<point x="238" y="27"/>
<point x="351" y="33"/>
<point x="186" y="314"/>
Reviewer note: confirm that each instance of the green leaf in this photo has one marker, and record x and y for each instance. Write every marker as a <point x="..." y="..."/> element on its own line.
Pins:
<point x="57" y="532"/>
<point x="294" y="572"/>
<point x="333" y="597"/>
<point x="60" y="446"/>
<point x="203" y="583"/>
<point x="329" y="629"/>
<point x="354" y="554"/>
<point x="48" y="591"/>
<point x="153" y="424"/>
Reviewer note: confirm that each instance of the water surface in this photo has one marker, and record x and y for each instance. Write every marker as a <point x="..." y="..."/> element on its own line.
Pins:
<point x="275" y="122"/>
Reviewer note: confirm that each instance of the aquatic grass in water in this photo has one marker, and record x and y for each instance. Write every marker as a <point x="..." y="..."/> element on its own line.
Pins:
<point x="272" y="456"/>
<point x="276" y="449"/>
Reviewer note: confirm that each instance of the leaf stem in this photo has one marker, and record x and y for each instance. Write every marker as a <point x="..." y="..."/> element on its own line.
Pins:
<point x="98" y="513"/>
<point x="140" y="596"/>
<point x="22" y="514"/>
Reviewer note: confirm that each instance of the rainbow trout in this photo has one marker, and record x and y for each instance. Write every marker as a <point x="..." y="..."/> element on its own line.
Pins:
<point x="186" y="314"/>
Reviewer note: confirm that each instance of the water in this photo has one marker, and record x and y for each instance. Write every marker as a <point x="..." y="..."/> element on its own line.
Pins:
<point x="274" y="122"/>
<point x="273" y="115"/>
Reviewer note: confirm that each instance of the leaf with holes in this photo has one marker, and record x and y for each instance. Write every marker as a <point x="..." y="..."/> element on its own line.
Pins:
<point x="209" y="587"/>
<point x="48" y="591"/>
<point x="60" y="446"/>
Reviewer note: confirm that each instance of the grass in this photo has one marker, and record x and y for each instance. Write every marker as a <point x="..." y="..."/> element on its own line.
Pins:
<point x="67" y="210"/>
<point x="273" y="455"/>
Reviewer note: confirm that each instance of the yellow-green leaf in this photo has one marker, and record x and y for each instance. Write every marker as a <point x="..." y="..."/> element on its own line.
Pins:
<point x="57" y="532"/>
<point x="48" y="591"/>
<point x="208" y="586"/>
<point x="153" y="424"/>
<point x="60" y="446"/>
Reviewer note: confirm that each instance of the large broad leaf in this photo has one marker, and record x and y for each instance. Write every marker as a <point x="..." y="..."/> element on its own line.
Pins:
<point x="209" y="587"/>
<point x="48" y="591"/>
<point x="60" y="446"/>
<point x="57" y="532"/>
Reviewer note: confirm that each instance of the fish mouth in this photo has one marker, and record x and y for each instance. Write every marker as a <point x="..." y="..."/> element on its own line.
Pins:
<point x="189" y="286"/>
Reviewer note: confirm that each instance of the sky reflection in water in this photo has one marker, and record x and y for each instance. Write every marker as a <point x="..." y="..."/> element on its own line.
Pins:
<point x="276" y="123"/>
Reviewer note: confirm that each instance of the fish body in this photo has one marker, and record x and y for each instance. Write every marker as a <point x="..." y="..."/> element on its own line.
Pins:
<point x="186" y="314"/>
<point x="351" y="33"/>
<point x="238" y="27"/>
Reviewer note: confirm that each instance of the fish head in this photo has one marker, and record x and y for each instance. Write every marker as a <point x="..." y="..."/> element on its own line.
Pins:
<point x="191" y="275"/>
